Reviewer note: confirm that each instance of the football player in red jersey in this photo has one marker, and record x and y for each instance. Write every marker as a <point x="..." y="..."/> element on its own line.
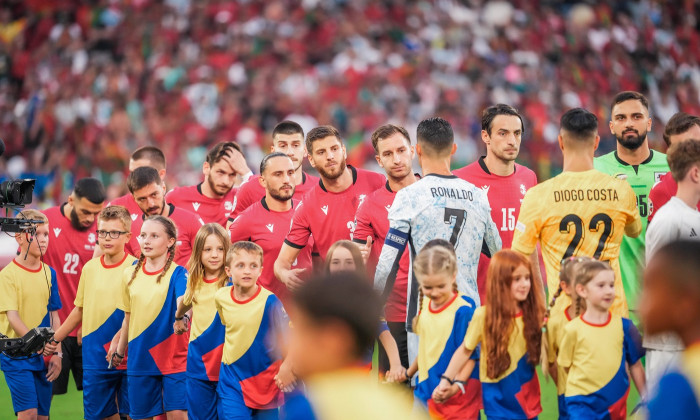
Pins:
<point x="267" y="222"/>
<point x="394" y="153"/>
<point x="328" y="210"/>
<point x="212" y="200"/>
<point x="504" y="181"/>
<point x="680" y="127"/>
<point x="149" y="192"/>
<point x="287" y="138"/>
<point x="73" y="235"/>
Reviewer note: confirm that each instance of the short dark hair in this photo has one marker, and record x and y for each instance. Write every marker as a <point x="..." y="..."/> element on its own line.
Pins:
<point x="682" y="156"/>
<point x="92" y="189"/>
<point x="679" y="123"/>
<point x="321" y="132"/>
<point x="683" y="264"/>
<point x="436" y="134"/>
<point x="387" y="130"/>
<point x="287" y="127"/>
<point x="345" y="297"/>
<point x="579" y="124"/>
<point x="630" y="95"/>
<point x="141" y="177"/>
<point x="220" y="150"/>
<point x="493" y="111"/>
<point x="266" y="159"/>
<point x="151" y="154"/>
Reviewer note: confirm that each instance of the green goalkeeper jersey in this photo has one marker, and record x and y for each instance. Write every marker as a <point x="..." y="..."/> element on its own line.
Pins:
<point x="641" y="178"/>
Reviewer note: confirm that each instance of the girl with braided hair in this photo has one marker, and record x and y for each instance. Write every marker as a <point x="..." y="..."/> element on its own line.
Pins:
<point x="151" y="291"/>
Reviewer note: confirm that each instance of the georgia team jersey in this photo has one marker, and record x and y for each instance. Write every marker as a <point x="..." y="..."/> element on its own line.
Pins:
<point x="250" y="360"/>
<point x="33" y="294"/>
<point x="578" y="214"/>
<point x="678" y="393"/>
<point x="99" y="294"/>
<point x="515" y="394"/>
<point x="268" y="229"/>
<point x="330" y="216"/>
<point x="660" y="193"/>
<point x="206" y="332"/>
<point x="505" y="194"/>
<point x="372" y="219"/>
<point x="187" y="224"/>
<point x="69" y="249"/>
<point x="641" y="178"/>
<point x="129" y="203"/>
<point x="210" y="210"/>
<point x="154" y="349"/>
<point x="250" y="192"/>
<point x="597" y="356"/>
<point x="437" y="207"/>
<point x="441" y="332"/>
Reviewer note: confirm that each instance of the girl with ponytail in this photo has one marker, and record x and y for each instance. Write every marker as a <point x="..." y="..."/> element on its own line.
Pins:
<point x="151" y="292"/>
<point x="509" y="329"/>
<point x="441" y="324"/>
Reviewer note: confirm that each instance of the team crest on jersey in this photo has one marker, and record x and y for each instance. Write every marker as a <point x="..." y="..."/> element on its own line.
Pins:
<point x="228" y="206"/>
<point x="388" y="207"/>
<point x="196" y="206"/>
<point x="270" y="227"/>
<point x="324" y="209"/>
<point x="658" y="175"/>
<point x="91" y="238"/>
<point x="134" y="216"/>
<point x="621" y="176"/>
<point x="523" y="190"/>
<point x="486" y="188"/>
<point x="57" y="231"/>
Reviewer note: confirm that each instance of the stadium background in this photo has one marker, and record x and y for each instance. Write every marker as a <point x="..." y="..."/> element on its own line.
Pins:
<point x="83" y="83"/>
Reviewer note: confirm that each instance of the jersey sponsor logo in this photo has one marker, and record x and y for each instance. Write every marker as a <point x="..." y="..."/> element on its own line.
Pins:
<point x="270" y="227"/>
<point x="657" y="176"/>
<point x="523" y="190"/>
<point x="620" y="176"/>
<point x="56" y="231"/>
<point x="486" y="188"/>
<point x="196" y="206"/>
<point x="388" y="207"/>
<point x="91" y="238"/>
<point x="324" y="209"/>
<point x="692" y="233"/>
<point x="134" y="216"/>
<point x="228" y="206"/>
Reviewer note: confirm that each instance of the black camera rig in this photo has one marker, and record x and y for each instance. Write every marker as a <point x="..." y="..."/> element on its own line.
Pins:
<point x="30" y="344"/>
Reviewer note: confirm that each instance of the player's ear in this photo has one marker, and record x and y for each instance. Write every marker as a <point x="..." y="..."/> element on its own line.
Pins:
<point x="379" y="161"/>
<point x="560" y="140"/>
<point x="485" y="137"/>
<point x="649" y="124"/>
<point x="261" y="180"/>
<point x="272" y="148"/>
<point x="596" y="143"/>
<point x="227" y="269"/>
<point x="610" y="124"/>
<point x="454" y="149"/>
<point x="206" y="168"/>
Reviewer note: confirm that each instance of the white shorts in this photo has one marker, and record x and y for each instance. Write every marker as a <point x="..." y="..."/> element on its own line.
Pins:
<point x="658" y="363"/>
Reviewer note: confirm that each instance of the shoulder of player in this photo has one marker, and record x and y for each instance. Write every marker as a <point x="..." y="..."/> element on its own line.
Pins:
<point x="468" y="171"/>
<point x="523" y="172"/>
<point x="374" y="179"/>
<point x="184" y="215"/>
<point x="250" y="185"/>
<point x="182" y="192"/>
<point x="251" y="212"/>
<point x="605" y="159"/>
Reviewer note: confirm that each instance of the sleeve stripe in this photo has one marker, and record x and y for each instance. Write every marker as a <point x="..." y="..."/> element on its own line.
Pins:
<point x="293" y="245"/>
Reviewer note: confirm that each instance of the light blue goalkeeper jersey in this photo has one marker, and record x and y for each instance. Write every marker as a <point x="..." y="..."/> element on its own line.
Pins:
<point x="437" y="207"/>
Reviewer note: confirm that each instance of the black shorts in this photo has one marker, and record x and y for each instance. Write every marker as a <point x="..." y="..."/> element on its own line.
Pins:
<point x="72" y="362"/>
<point x="398" y="331"/>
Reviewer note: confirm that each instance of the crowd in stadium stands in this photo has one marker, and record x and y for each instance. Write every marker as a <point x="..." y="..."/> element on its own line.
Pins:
<point x="84" y="83"/>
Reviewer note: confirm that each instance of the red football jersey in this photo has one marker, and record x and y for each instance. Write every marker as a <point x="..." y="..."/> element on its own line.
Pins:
<point x="661" y="193"/>
<point x="268" y="229"/>
<point x="210" y="210"/>
<point x="188" y="225"/>
<point x="330" y="216"/>
<point x="69" y="249"/>
<point x="505" y="194"/>
<point x="372" y="219"/>
<point x="251" y="192"/>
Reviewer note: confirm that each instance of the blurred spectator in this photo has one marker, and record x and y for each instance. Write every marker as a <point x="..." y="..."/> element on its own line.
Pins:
<point x="83" y="83"/>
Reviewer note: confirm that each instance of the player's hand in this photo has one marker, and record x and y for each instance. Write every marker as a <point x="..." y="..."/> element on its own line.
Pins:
<point x="236" y="161"/>
<point x="50" y="348"/>
<point x="79" y="336"/>
<point x="54" y="369"/>
<point x="441" y="391"/>
<point x="291" y="278"/>
<point x="180" y="327"/>
<point x="396" y="375"/>
<point x="285" y="379"/>
<point x="366" y="249"/>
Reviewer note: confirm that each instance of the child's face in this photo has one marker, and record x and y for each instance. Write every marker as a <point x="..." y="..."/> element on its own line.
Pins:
<point x="154" y="240"/>
<point x="213" y="256"/>
<point x="520" y="287"/>
<point x="108" y="245"/>
<point x="245" y="269"/>
<point x="341" y="260"/>
<point x="659" y="303"/>
<point x="39" y="244"/>
<point x="600" y="291"/>
<point x="438" y="287"/>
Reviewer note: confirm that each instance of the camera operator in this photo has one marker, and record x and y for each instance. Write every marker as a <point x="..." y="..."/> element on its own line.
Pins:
<point x="29" y="298"/>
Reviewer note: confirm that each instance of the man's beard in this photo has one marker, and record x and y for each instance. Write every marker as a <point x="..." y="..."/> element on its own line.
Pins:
<point x="327" y="175"/>
<point x="75" y="221"/>
<point x="158" y="210"/>
<point x="215" y="190"/>
<point x="634" y="142"/>
<point x="282" y="196"/>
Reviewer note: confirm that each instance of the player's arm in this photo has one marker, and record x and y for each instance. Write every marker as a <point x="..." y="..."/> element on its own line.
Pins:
<point x="633" y="227"/>
<point x="71" y="323"/>
<point x="363" y="234"/>
<point x="394" y="244"/>
<point x="527" y="228"/>
<point x="56" y="361"/>
<point x="638" y="377"/>
<point x="396" y="370"/>
<point x="16" y="323"/>
<point x="118" y="356"/>
<point x="283" y="266"/>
